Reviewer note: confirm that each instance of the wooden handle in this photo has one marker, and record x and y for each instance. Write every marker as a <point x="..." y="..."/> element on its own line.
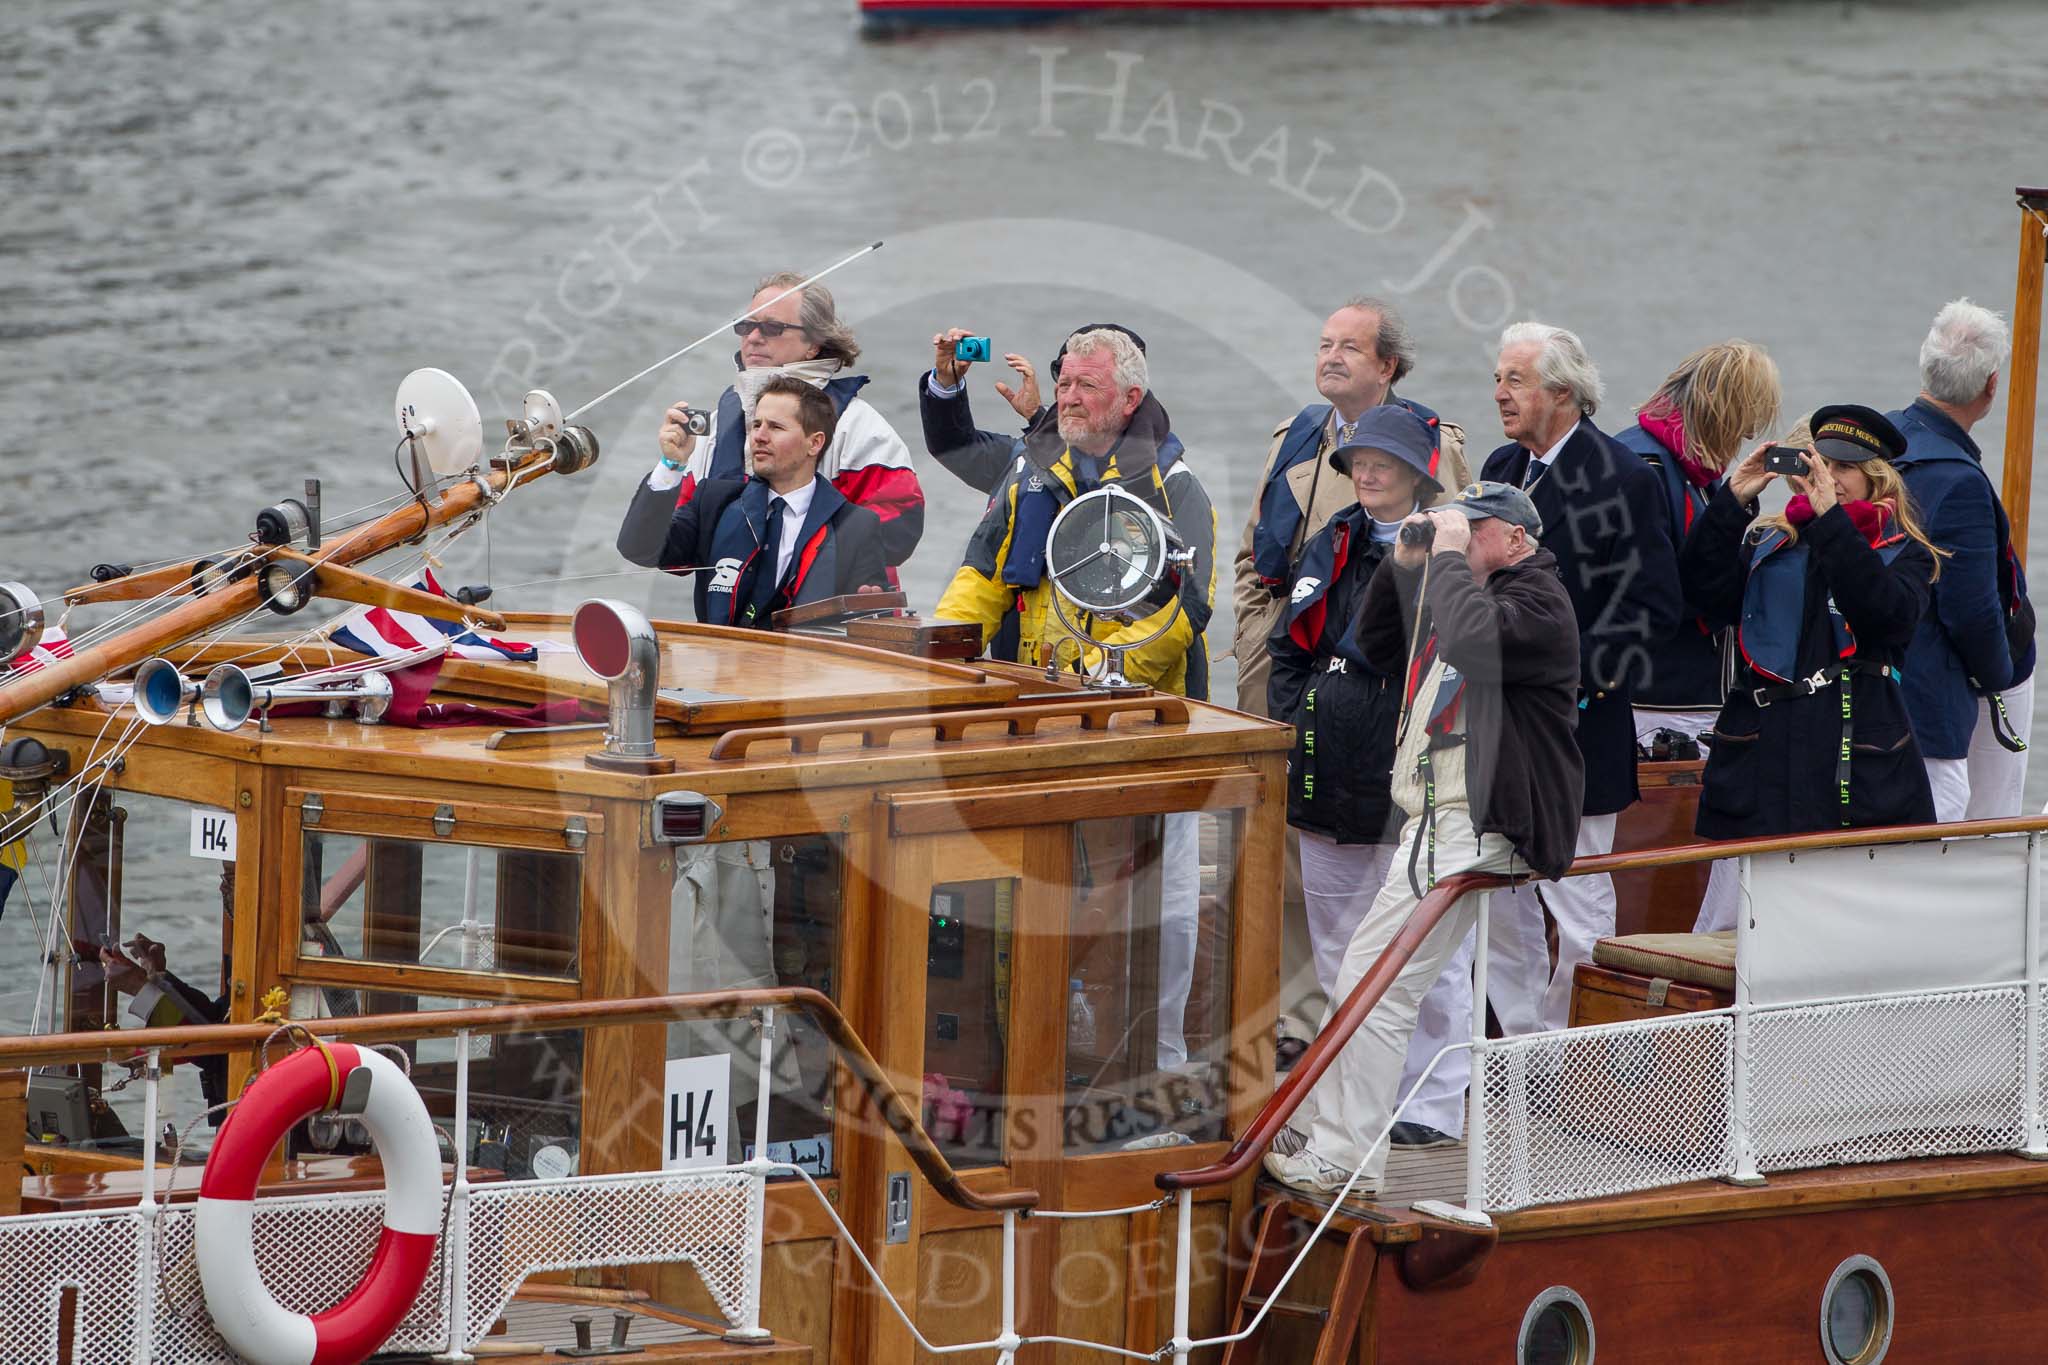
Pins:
<point x="216" y="609"/>
<point x="948" y="725"/>
<point x="342" y="584"/>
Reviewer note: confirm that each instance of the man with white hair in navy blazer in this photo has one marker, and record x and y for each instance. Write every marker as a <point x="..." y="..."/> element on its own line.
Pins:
<point x="1604" y="519"/>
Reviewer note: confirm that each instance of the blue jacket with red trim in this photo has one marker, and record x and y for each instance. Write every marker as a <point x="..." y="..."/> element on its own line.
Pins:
<point x="1772" y="764"/>
<point x="1344" y="711"/>
<point x="717" y="535"/>
<point x="1685" y="666"/>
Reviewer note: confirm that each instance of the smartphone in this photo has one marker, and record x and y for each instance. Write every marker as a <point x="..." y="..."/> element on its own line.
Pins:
<point x="971" y="348"/>
<point x="1786" y="460"/>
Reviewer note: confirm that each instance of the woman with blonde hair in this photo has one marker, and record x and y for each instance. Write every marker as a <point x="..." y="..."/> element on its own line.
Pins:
<point x="1690" y="430"/>
<point x="1823" y="599"/>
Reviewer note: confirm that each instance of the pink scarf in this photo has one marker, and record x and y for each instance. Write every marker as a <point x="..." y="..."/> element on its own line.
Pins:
<point x="1668" y="426"/>
<point x="1869" y="517"/>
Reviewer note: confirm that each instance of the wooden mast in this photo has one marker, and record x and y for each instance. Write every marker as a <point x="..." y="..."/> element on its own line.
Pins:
<point x="2023" y="374"/>
<point x="217" y="608"/>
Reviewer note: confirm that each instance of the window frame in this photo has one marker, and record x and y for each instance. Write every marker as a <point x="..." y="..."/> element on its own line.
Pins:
<point x="497" y="828"/>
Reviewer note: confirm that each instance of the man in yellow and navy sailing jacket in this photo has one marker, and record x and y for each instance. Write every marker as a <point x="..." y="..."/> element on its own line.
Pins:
<point x="1109" y="429"/>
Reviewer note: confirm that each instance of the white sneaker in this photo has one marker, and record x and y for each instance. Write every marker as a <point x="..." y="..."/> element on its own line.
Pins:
<point x="1165" y="1137"/>
<point x="1309" y="1173"/>
<point x="1290" y="1141"/>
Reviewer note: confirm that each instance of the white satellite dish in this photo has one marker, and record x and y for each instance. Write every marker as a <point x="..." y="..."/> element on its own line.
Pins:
<point x="439" y="414"/>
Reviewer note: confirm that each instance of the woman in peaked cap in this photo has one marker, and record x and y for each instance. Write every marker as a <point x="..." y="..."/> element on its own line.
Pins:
<point x="1824" y="599"/>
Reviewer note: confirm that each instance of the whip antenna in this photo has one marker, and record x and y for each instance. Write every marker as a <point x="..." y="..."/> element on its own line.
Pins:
<point x="720" y="329"/>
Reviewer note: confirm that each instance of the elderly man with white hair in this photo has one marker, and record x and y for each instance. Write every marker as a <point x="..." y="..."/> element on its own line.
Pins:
<point x="1969" y="683"/>
<point x="1604" y="519"/>
<point x="1109" y="429"/>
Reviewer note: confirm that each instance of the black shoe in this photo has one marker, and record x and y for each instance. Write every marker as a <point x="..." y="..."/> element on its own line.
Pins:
<point x="1419" y="1137"/>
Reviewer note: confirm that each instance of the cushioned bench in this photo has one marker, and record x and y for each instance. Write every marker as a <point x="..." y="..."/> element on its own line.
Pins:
<point x="1640" y="976"/>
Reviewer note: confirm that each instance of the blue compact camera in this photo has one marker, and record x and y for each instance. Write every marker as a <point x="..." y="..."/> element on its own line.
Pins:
<point x="971" y="348"/>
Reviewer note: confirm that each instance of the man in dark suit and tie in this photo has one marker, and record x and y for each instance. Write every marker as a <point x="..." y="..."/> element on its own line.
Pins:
<point x="1604" y="520"/>
<point x="781" y="537"/>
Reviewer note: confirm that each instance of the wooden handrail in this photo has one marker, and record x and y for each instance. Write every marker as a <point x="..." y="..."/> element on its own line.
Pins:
<point x="1094" y="714"/>
<point x="1330" y="1040"/>
<point x="210" y="1039"/>
<point x="1365" y="996"/>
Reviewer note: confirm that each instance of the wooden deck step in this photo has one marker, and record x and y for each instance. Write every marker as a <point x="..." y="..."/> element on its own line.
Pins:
<point x="535" y="1330"/>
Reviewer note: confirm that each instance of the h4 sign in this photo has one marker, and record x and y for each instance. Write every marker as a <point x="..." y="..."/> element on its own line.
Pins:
<point x="696" y="1095"/>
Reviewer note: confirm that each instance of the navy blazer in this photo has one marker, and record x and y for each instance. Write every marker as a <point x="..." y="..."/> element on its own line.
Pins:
<point x="717" y="533"/>
<point x="1960" y="650"/>
<point x="1604" y="518"/>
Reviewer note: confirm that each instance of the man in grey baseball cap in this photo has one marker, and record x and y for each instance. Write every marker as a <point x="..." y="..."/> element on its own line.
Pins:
<point x="1470" y="619"/>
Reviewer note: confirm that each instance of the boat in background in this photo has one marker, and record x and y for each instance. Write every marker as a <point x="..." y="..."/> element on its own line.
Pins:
<point x="886" y="15"/>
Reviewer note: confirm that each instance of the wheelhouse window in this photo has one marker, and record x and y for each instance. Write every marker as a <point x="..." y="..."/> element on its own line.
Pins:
<point x="1148" y="995"/>
<point x="967" y="1024"/>
<point x="757" y="914"/>
<point x="440" y="904"/>
<point x="141" y="939"/>
<point x="525" y="1093"/>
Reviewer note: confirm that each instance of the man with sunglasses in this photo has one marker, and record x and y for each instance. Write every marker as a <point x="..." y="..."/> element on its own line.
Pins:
<point x="798" y="333"/>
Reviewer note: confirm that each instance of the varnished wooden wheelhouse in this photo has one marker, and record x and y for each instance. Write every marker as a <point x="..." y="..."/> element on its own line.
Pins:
<point x="961" y="856"/>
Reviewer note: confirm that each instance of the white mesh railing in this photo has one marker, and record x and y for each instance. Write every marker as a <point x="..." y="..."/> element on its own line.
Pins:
<point x="1591" y="1112"/>
<point x="313" y="1249"/>
<point x="1878" y="1080"/>
<point x="41" y="1255"/>
<point x="1598" y="1111"/>
<point x="704" y="1218"/>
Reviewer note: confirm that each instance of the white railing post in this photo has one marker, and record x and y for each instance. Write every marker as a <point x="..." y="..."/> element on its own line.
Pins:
<point x="1745" y="1172"/>
<point x="2037" y="1132"/>
<point x="1475" y="1088"/>
<point x="749" y="1326"/>
<point x="147" y="1212"/>
<point x="455" y="1250"/>
<point x="1183" y="1275"/>
<point x="471" y="874"/>
<point x="1009" y="1341"/>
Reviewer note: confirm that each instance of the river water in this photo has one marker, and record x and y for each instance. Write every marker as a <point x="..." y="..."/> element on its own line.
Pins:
<point x="229" y="229"/>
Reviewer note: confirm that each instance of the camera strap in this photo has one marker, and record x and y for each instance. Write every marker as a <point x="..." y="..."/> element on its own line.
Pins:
<point x="2002" y="728"/>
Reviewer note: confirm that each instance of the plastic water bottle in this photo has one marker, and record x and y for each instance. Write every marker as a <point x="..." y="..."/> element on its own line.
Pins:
<point x="1080" y="1018"/>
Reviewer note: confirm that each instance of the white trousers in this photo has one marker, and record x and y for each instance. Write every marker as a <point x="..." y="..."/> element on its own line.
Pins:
<point x="1352" y="1103"/>
<point x="1724" y="879"/>
<point x="1998" y="779"/>
<point x="1584" y="910"/>
<point x="1445" y="1017"/>
<point x="1180" y="907"/>
<point x="1987" y="783"/>
<point x="1949" y="779"/>
<point x="1338" y="883"/>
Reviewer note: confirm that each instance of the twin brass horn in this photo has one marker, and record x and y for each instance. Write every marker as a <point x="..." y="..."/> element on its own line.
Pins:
<point x="227" y="696"/>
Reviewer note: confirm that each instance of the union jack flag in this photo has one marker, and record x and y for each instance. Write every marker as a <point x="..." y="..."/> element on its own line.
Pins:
<point x="55" y="645"/>
<point x="384" y="633"/>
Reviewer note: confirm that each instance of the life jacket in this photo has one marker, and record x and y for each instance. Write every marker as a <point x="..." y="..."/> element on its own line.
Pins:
<point x="1280" y="514"/>
<point x="1774" y="605"/>
<point x="738" y="554"/>
<point x="1041" y="493"/>
<point x="729" y="448"/>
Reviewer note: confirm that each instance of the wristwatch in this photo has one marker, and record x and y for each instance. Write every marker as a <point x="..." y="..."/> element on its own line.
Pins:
<point x="667" y="463"/>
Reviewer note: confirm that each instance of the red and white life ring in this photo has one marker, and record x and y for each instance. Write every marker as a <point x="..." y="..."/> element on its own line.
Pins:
<point x="376" y="1093"/>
